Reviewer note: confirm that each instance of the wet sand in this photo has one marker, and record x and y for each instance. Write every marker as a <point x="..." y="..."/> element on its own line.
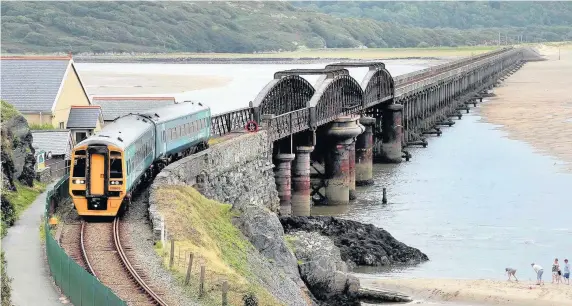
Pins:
<point x="118" y="83"/>
<point x="479" y="292"/>
<point x="534" y="105"/>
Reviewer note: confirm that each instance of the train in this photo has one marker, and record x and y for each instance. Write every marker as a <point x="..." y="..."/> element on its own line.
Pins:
<point x="106" y="168"/>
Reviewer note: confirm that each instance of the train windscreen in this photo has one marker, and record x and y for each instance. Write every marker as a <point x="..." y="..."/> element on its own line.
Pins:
<point x="116" y="169"/>
<point x="79" y="166"/>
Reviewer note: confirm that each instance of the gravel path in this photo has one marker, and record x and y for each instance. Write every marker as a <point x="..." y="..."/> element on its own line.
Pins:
<point x="137" y="229"/>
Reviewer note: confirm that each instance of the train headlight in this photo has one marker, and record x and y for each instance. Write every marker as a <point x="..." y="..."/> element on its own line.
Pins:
<point x="115" y="182"/>
<point x="78" y="181"/>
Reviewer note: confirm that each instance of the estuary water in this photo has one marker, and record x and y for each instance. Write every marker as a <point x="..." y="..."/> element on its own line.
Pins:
<point x="474" y="201"/>
<point x="246" y="80"/>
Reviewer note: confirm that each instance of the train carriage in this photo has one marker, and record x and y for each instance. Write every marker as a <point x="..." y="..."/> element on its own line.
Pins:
<point x="107" y="167"/>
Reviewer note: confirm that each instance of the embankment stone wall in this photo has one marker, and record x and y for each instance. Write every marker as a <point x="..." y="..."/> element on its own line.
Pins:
<point x="235" y="171"/>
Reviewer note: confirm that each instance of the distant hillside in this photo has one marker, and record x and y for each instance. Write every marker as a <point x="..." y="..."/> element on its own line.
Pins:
<point x="243" y="27"/>
<point x="452" y="14"/>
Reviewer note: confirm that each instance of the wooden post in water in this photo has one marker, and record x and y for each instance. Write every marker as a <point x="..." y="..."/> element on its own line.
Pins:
<point x="202" y="283"/>
<point x="188" y="277"/>
<point x="384" y="199"/>
<point x="224" y="293"/>
<point x="172" y="256"/>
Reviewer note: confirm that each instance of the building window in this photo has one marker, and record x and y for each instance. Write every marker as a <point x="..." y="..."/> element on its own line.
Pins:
<point x="80" y="136"/>
<point x="61" y="125"/>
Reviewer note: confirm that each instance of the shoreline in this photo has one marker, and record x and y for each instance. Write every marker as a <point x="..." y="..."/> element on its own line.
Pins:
<point x="477" y="292"/>
<point x="231" y="61"/>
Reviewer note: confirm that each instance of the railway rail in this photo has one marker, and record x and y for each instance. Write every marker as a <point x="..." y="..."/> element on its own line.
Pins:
<point x="106" y="258"/>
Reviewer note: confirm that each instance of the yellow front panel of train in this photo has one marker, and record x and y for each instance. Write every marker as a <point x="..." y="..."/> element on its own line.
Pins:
<point x="97" y="174"/>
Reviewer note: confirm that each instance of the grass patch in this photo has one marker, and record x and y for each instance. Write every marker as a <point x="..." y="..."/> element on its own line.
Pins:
<point x="8" y="111"/>
<point x="45" y="126"/>
<point x="42" y="229"/>
<point x="290" y="242"/>
<point x="203" y="227"/>
<point x="215" y="140"/>
<point x="6" y="283"/>
<point x="25" y="195"/>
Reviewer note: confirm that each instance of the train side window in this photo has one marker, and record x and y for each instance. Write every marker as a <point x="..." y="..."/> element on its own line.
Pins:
<point x="79" y="166"/>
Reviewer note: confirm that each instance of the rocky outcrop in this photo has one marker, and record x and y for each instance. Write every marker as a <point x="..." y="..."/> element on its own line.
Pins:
<point x="17" y="152"/>
<point x="264" y="231"/>
<point x="359" y="244"/>
<point x="17" y="157"/>
<point x="323" y="270"/>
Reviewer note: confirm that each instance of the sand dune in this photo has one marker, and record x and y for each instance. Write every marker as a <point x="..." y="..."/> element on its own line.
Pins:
<point x="488" y="292"/>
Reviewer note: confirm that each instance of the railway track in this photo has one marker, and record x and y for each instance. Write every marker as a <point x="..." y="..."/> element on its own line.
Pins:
<point x="106" y="258"/>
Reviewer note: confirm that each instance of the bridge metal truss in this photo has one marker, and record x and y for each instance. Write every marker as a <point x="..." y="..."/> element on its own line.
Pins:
<point x="431" y="100"/>
<point x="290" y="104"/>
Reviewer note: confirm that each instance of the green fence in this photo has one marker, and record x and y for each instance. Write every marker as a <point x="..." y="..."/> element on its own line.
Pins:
<point x="79" y="286"/>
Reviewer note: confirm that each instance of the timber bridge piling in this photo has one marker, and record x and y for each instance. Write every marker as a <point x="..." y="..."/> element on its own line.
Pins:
<point x="325" y="137"/>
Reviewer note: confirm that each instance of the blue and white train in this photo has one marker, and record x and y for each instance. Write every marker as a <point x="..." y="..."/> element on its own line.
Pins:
<point x="108" y="166"/>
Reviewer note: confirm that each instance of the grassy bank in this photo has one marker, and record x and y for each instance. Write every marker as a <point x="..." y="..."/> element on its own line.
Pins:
<point x="203" y="227"/>
<point x="20" y="200"/>
<point x="25" y="195"/>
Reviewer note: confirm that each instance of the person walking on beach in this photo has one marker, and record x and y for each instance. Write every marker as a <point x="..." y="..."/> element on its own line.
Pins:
<point x="566" y="272"/>
<point x="538" y="269"/>
<point x="511" y="272"/>
<point x="555" y="271"/>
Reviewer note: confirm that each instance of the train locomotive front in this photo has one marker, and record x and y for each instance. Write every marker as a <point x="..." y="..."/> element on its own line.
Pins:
<point x="107" y="167"/>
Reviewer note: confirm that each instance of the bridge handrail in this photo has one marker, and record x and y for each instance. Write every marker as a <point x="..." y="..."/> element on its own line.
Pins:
<point x="230" y="121"/>
<point x="451" y="73"/>
<point x="419" y="74"/>
<point x="286" y="124"/>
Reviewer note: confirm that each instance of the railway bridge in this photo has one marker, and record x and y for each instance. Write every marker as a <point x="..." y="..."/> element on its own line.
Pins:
<point x="325" y="137"/>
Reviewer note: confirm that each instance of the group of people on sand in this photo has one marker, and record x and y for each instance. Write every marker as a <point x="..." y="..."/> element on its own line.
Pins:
<point x="558" y="275"/>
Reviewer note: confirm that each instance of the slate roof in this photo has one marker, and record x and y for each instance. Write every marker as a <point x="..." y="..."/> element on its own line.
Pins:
<point x="31" y="84"/>
<point x="113" y="107"/>
<point x="59" y="142"/>
<point x="83" y="117"/>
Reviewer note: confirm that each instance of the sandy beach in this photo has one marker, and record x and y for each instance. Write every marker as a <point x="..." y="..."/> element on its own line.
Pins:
<point x="119" y="83"/>
<point x="535" y="104"/>
<point x="479" y="292"/>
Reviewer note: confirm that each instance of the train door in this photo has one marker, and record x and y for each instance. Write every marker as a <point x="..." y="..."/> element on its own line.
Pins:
<point x="97" y="174"/>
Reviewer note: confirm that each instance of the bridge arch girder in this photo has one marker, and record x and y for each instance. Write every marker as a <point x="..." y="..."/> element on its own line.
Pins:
<point x="334" y="96"/>
<point x="282" y="95"/>
<point x="378" y="86"/>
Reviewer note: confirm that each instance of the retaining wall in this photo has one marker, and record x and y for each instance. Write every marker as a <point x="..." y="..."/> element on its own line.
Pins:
<point x="238" y="170"/>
